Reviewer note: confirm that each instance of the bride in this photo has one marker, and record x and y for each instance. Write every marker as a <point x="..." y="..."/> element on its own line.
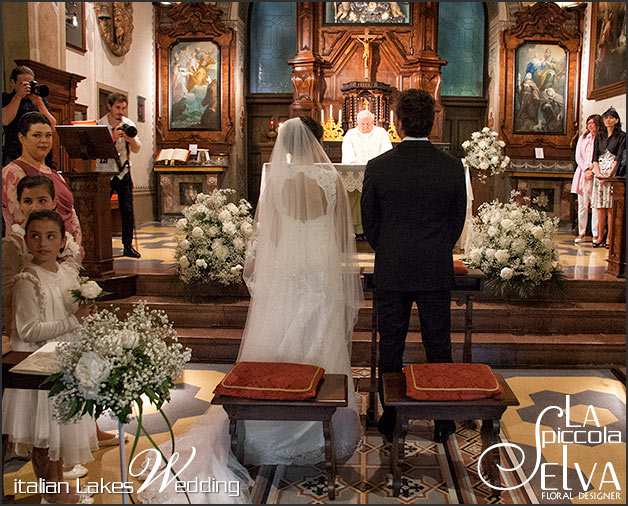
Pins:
<point x="303" y="276"/>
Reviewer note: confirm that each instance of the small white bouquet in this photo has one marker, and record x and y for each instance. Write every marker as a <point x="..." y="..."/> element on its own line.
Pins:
<point x="87" y="291"/>
<point x="484" y="152"/>
<point x="212" y="239"/>
<point x="513" y="245"/>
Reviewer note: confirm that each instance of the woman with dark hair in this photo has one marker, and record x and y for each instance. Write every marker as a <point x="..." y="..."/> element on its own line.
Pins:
<point x="582" y="183"/>
<point x="608" y="150"/>
<point x="35" y="135"/>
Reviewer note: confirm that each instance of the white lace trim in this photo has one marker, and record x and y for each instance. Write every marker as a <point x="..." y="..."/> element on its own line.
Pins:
<point x="352" y="180"/>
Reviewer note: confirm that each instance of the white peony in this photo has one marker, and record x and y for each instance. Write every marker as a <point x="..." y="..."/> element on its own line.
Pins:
<point x="233" y="209"/>
<point x="90" y="371"/>
<point x="90" y="290"/>
<point x="246" y="228"/>
<point x="197" y="232"/>
<point x="507" y="224"/>
<point x="201" y="263"/>
<point x="184" y="262"/>
<point x="537" y="232"/>
<point x="224" y="215"/>
<point x="181" y="224"/>
<point x="185" y="244"/>
<point x="506" y="273"/>
<point x="130" y="339"/>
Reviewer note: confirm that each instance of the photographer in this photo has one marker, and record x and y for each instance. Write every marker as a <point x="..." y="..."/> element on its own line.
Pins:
<point x="25" y="97"/>
<point x="124" y="135"/>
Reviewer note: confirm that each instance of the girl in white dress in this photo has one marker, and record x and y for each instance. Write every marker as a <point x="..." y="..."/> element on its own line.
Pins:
<point x="44" y="312"/>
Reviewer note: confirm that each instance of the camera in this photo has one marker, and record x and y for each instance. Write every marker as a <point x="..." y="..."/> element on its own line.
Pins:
<point x="129" y="130"/>
<point x="39" y="89"/>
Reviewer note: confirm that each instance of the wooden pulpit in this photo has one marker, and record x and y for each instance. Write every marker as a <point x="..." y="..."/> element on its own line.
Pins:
<point x="617" y="229"/>
<point x="91" y="202"/>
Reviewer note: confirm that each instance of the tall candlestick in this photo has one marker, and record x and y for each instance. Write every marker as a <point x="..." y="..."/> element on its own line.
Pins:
<point x="391" y="117"/>
<point x="340" y="115"/>
<point x="331" y="114"/>
<point x="322" y="116"/>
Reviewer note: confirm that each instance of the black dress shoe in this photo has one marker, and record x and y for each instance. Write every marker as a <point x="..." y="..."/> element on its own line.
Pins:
<point x="598" y="244"/>
<point x="386" y="428"/>
<point x="443" y="429"/>
<point x="130" y="251"/>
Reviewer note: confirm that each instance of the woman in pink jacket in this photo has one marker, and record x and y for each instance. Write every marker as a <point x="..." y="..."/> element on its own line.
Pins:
<point x="582" y="183"/>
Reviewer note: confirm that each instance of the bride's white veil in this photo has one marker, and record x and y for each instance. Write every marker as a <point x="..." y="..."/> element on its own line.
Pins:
<point x="300" y="185"/>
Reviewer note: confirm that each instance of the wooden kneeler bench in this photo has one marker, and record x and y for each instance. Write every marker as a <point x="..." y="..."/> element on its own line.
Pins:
<point x="332" y="393"/>
<point x="488" y="410"/>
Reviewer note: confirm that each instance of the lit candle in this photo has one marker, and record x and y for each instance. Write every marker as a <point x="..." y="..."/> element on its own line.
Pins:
<point x="391" y="116"/>
<point x="331" y="114"/>
<point x="322" y="116"/>
<point x="340" y="115"/>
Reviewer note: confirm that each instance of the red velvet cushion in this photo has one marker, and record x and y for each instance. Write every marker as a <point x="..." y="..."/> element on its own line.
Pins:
<point x="451" y="382"/>
<point x="271" y="380"/>
<point x="460" y="268"/>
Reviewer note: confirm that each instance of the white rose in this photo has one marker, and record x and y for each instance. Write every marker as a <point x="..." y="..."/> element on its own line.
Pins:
<point x="530" y="260"/>
<point x="90" y="290"/>
<point x="507" y="224"/>
<point x="483" y="166"/>
<point x="501" y="144"/>
<point x="502" y="256"/>
<point x="494" y="134"/>
<point x="202" y="209"/>
<point x="233" y="209"/>
<point x="236" y="269"/>
<point x="201" y="263"/>
<point x="185" y="244"/>
<point x="495" y="160"/>
<point x="181" y="224"/>
<point x="475" y="135"/>
<point x="490" y="253"/>
<point x="486" y="130"/>
<point x="519" y="246"/>
<point x="465" y="144"/>
<point x="229" y="228"/>
<point x="184" y="262"/>
<point x="506" y="161"/>
<point x="506" y="273"/>
<point x="224" y="215"/>
<point x="516" y="214"/>
<point x="130" y="339"/>
<point x="492" y="231"/>
<point x="216" y="244"/>
<point x="238" y="244"/>
<point x="537" y="232"/>
<point x="475" y="255"/>
<point x="548" y="244"/>
<point x="482" y="144"/>
<point x="197" y="232"/>
<point x="246" y="228"/>
<point x="212" y="231"/>
<point x="90" y="371"/>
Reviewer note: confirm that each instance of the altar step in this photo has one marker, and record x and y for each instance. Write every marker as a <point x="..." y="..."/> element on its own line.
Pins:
<point x="528" y="318"/>
<point x="505" y="350"/>
<point x="607" y="290"/>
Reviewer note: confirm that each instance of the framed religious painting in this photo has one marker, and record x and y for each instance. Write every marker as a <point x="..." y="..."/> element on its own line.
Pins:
<point x="367" y="13"/>
<point x="195" y="88"/>
<point x="540" y="89"/>
<point x="607" y="53"/>
<point x="194" y="85"/>
<point x="540" y="65"/>
<point x="75" y="26"/>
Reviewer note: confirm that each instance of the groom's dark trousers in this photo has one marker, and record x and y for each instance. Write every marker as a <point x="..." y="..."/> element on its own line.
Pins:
<point x="413" y="210"/>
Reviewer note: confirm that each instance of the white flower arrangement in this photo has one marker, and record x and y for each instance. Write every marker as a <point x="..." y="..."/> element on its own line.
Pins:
<point x="212" y="238"/>
<point x="87" y="291"/>
<point x="111" y="363"/>
<point x="513" y="245"/>
<point x="484" y="152"/>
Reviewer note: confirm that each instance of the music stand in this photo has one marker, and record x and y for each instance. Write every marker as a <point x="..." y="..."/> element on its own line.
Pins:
<point x="88" y="142"/>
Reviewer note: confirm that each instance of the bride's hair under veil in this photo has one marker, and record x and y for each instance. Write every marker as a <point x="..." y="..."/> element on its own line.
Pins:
<point x="300" y="186"/>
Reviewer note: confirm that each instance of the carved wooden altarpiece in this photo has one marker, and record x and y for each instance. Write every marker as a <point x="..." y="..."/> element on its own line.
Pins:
<point x="551" y="84"/>
<point x="189" y="22"/>
<point x="329" y="56"/>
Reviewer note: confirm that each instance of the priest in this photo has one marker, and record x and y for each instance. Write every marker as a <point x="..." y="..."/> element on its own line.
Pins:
<point x="360" y="144"/>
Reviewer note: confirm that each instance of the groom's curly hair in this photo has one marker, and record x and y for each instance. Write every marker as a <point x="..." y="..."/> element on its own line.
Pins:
<point x="415" y="112"/>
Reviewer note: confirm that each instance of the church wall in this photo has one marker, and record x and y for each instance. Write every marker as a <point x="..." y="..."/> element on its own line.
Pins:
<point x="15" y="43"/>
<point x="589" y="107"/>
<point x="134" y="74"/>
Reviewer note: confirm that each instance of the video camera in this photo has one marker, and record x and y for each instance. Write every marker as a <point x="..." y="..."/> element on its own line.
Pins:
<point x="39" y="89"/>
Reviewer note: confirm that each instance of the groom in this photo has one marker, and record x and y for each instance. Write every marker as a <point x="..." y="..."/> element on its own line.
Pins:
<point x="413" y="211"/>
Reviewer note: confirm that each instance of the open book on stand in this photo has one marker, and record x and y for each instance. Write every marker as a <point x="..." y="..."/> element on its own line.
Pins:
<point x="173" y="154"/>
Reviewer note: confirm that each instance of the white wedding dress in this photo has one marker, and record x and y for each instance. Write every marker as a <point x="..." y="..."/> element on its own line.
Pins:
<point x="303" y="276"/>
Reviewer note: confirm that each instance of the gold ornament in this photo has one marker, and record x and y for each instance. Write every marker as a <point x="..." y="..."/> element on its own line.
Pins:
<point x="332" y="130"/>
<point x="392" y="133"/>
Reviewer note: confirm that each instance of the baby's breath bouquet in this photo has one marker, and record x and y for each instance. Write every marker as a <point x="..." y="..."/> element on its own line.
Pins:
<point x="212" y="239"/>
<point x="112" y="363"/>
<point x="484" y="152"/>
<point x="513" y="245"/>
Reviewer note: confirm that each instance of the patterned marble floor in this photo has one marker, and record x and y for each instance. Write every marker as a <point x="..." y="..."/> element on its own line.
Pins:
<point x="156" y="243"/>
<point x="435" y="473"/>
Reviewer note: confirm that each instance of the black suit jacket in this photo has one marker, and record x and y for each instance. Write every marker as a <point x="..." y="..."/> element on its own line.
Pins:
<point x="413" y="209"/>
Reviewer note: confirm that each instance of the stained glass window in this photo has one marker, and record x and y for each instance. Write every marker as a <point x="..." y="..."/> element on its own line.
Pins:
<point x="461" y="43"/>
<point x="273" y="41"/>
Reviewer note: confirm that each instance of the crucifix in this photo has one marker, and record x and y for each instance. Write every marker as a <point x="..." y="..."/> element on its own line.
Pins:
<point x="366" y="40"/>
